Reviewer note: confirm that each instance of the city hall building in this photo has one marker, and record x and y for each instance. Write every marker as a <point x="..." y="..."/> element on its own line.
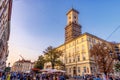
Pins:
<point x="76" y="48"/>
<point x="5" y="19"/>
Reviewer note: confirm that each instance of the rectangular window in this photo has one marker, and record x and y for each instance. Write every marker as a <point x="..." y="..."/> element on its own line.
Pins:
<point x="82" y="39"/>
<point x="78" y="58"/>
<point x="66" y="60"/>
<point x="94" y="41"/>
<point x="69" y="45"/>
<point x="69" y="70"/>
<point x="73" y="50"/>
<point x="77" y="49"/>
<point x="91" y="69"/>
<point x="78" y="69"/>
<point x="77" y="41"/>
<point x="69" y="54"/>
<point x="90" y="46"/>
<point x="83" y="56"/>
<point x="84" y="68"/>
<point x="83" y="47"/>
<point x="73" y="43"/>
<point x="74" y="60"/>
<point x="69" y="60"/>
<point x="66" y="69"/>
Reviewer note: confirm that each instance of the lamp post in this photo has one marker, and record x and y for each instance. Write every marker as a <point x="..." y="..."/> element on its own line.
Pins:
<point x="76" y="63"/>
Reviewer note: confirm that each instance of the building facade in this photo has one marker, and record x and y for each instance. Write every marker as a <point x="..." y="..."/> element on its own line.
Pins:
<point x="5" y="18"/>
<point x="76" y="55"/>
<point x="22" y="66"/>
<point x="76" y="48"/>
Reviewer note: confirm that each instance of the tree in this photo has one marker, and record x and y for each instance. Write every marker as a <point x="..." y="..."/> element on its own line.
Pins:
<point x="61" y="65"/>
<point x="40" y="62"/>
<point x="7" y="69"/>
<point x="117" y="67"/>
<point x="102" y="57"/>
<point x="52" y="55"/>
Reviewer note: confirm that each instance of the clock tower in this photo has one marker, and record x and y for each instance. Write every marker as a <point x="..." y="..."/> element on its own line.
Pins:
<point x="73" y="28"/>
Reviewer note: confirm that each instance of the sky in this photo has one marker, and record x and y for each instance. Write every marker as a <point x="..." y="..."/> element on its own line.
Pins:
<point x="37" y="24"/>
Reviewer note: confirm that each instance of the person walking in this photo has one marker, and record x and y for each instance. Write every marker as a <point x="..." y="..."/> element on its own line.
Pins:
<point x="98" y="78"/>
<point x="61" y="77"/>
<point x="8" y="76"/>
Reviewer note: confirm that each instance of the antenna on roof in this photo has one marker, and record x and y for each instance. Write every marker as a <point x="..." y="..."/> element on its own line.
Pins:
<point x="22" y="57"/>
<point x="72" y="5"/>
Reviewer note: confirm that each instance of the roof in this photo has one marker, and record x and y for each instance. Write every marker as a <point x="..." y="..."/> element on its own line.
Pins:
<point x="72" y="10"/>
<point x="23" y="61"/>
<point x="88" y="34"/>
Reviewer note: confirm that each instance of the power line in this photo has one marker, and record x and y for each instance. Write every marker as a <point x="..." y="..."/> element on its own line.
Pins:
<point x="113" y="32"/>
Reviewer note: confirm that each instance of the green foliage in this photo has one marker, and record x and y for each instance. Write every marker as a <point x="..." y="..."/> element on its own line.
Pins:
<point x="117" y="67"/>
<point x="7" y="69"/>
<point x="61" y="64"/>
<point x="52" y="55"/>
<point x="40" y="62"/>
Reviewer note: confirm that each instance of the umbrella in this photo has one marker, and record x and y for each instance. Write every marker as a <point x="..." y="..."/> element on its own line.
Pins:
<point x="61" y="71"/>
<point x="45" y="70"/>
<point x="1" y="70"/>
<point x="52" y="71"/>
<point x="27" y="72"/>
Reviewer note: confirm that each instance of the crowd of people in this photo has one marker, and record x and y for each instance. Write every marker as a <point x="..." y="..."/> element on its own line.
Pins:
<point x="97" y="77"/>
<point x="55" y="76"/>
<point x="30" y="76"/>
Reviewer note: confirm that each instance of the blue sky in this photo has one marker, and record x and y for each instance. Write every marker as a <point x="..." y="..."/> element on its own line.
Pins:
<point x="36" y="24"/>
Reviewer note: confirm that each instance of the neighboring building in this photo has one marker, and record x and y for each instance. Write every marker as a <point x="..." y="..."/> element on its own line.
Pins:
<point x="76" y="47"/>
<point x="5" y="18"/>
<point x="119" y="45"/>
<point x="117" y="49"/>
<point x="22" y="66"/>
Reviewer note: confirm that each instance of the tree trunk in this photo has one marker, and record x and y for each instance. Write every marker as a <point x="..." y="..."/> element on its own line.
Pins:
<point x="53" y="65"/>
<point x="105" y="73"/>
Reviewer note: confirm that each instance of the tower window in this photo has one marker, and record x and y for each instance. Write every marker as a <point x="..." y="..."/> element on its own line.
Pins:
<point x="75" y="17"/>
<point x="69" y="17"/>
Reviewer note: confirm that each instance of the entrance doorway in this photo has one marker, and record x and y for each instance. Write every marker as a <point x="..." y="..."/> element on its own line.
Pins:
<point x="74" y="71"/>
